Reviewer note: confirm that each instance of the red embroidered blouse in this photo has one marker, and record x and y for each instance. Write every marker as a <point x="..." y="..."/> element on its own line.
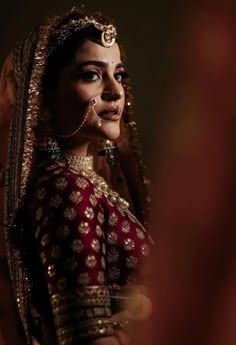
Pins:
<point x="89" y="247"/>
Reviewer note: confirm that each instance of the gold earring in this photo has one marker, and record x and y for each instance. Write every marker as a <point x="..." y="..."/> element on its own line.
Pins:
<point x="109" y="149"/>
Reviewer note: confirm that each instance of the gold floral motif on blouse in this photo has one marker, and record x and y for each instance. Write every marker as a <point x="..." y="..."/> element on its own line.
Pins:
<point x="70" y="213"/>
<point x="112" y="255"/>
<point x="89" y="213"/>
<point x="95" y="245"/>
<point x="77" y="246"/>
<point x="76" y="197"/>
<point x="129" y="244"/>
<point x="82" y="183"/>
<point x="61" y="183"/>
<point x="91" y="261"/>
<point x="101" y="218"/>
<point x="97" y="193"/>
<point x="113" y="219"/>
<point x="112" y="238"/>
<point x="93" y="200"/>
<point x="84" y="228"/>
<point x="55" y="201"/>
<point x="125" y="226"/>
<point x="51" y="271"/>
<point x="114" y="273"/>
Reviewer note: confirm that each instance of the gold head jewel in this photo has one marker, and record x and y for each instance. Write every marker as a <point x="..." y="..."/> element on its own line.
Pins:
<point x="108" y="32"/>
<point x="108" y="35"/>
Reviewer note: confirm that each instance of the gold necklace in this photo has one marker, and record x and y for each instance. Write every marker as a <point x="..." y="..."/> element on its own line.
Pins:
<point x="81" y="163"/>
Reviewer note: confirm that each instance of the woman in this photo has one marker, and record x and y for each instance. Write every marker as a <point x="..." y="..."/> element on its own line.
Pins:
<point x="74" y="244"/>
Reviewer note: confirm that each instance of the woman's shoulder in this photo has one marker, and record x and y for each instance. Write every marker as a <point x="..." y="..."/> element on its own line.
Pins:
<point x="58" y="176"/>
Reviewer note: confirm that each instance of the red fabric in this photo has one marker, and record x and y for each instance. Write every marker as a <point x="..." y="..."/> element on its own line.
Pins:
<point x="112" y="239"/>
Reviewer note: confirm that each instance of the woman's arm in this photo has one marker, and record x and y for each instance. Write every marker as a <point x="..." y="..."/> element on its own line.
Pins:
<point x="70" y="241"/>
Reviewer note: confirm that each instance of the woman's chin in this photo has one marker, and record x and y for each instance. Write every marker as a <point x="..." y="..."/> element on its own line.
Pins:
<point x="110" y="130"/>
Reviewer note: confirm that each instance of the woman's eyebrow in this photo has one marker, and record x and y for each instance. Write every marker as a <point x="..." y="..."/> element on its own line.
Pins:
<point x="98" y="63"/>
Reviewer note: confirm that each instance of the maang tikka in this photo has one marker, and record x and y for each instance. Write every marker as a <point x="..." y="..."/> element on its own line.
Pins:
<point x="108" y="32"/>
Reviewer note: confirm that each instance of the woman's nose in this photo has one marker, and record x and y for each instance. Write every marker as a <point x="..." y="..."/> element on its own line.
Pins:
<point x="113" y="91"/>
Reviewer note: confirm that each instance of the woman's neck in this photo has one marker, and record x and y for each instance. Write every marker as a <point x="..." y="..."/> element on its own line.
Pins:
<point x="81" y="149"/>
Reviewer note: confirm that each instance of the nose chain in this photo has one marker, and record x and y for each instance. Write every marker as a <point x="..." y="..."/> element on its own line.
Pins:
<point x="70" y="135"/>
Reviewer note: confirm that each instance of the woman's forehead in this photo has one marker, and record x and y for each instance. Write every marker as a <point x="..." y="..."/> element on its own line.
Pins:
<point x="90" y="50"/>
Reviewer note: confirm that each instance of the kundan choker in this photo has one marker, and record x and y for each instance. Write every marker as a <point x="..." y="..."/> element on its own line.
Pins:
<point x="80" y="163"/>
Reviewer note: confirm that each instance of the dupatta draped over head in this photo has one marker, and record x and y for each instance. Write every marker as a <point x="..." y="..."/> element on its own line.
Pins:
<point x="28" y="63"/>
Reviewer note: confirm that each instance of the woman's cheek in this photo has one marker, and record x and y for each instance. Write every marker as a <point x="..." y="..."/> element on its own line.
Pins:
<point x="84" y="94"/>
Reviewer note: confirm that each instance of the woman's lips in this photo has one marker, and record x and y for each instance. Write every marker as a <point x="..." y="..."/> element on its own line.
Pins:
<point x="110" y="115"/>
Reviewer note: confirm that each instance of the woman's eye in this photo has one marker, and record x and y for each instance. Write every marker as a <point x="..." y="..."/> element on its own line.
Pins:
<point x="89" y="76"/>
<point x="120" y="76"/>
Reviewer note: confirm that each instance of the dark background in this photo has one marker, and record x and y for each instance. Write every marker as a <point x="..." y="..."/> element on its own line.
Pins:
<point x="146" y="28"/>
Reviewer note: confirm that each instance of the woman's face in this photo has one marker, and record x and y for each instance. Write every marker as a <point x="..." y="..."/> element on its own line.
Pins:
<point x="95" y="72"/>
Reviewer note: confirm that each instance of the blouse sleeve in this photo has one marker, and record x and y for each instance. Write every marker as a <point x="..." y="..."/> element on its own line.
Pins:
<point x="70" y="240"/>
